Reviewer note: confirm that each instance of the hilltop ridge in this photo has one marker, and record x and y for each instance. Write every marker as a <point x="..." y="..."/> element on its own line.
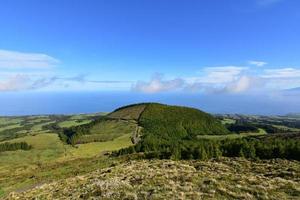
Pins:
<point x="170" y="120"/>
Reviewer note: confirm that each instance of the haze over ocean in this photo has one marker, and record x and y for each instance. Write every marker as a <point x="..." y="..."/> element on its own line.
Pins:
<point x="34" y="103"/>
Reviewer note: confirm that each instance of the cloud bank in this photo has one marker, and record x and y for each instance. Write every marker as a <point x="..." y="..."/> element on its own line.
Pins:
<point x="157" y="84"/>
<point x="26" y="71"/>
<point x="257" y="63"/>
<point x="15" y="59"/>
<point x="33" y="71"/>
<point x="227" y="79"/>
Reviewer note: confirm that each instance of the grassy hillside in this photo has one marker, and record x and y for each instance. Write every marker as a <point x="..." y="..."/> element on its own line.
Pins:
<point x="49" y="158"/>
<point x="100" y="130"/>
<point x="128" y="112"/>
<point x="164" y="179"/>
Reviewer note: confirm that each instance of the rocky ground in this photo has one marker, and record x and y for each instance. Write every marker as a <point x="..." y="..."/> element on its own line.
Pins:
<point x="223" y="178"/>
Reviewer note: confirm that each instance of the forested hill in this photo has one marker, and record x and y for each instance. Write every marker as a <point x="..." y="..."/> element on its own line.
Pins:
<point x="175" y="132"/>
<point x="167" y="121"/>
<point x="165" y="125"/>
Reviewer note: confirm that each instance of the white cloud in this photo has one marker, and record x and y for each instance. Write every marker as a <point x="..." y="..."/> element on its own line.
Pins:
<point x="14" y="83"/>
<point x="217" y="75"/>
<point x="242" y="84"/>
<point x="282" y="78"/>
<point x="157" y="84"/>
<point x="257" y="63"/>
<point x="10" y="81"/>
<point x="212" y="79"/>
<point x="15" y="59"/>
<point x="216" y="79"/>
<point x="18" y="82"/>
<point x="226" y="79"/>
<point x="222" y="74"/>
<point x="282" y="73"/>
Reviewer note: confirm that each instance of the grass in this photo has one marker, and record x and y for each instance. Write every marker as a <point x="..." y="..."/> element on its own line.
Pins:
<point x="37" y="119"/>
<point x="110" y="129"/>
<point x="1" y="192"/>
<point x="29" y="177"/>
<point x="84" y="116"/>
<point x="231" y="136"/>
<point x="70" y="123"/>
<point x="51" y="160"/>
<point x="48" y="150"/>
<point x="130" y="112"/>
<point x="223" y="178"/>
<point x="286" y="128"/>
<point x="9" y="120"/>
<point x="95" y="148"/>
<point x="3" y="128"/>
<point x="39" y="127"/>
<point x="46" y="147"/>
<point x="228" y="121"/>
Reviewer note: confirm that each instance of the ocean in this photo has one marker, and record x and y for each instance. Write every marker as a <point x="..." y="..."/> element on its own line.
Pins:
<point x="36" y="103"/>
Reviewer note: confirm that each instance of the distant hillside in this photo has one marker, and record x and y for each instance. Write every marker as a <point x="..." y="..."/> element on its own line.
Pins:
<point x="175" y="132"/>
<point x="166" y="121"/>
<point x="164" y="126"/>
<point x="147" y="123"/>
<point x="293" y="115"/>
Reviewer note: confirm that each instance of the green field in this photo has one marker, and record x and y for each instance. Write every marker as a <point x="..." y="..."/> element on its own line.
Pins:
<point x="52" y="159"/>
<point x="231" y="136"/>
<point x="48" y="150"/>
<point x="73" y="122"/>
<point x="228" y="121"/>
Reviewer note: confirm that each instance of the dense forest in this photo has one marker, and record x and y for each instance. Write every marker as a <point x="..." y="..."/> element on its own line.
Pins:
<point x="250" y="147"/>
<point x="164" y="123"/>
<point x="169" y="124"/>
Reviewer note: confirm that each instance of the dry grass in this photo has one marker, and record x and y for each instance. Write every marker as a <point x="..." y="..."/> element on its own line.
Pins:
<point x="164" y="179"/>
<point x="132" y="112"/>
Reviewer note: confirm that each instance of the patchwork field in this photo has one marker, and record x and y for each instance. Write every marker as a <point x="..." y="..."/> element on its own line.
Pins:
<point x="47" y="147"/>
<point x="74" y="156"/>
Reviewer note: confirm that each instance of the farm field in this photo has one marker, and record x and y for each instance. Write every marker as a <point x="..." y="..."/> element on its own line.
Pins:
<point x="47" y="148"/>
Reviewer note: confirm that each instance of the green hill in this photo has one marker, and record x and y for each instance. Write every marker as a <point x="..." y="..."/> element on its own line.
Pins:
<point x="155" y="122"/>
<point x="170" y="122"/>
<point x="163" y="126"/>
<point x="176" y="132"/>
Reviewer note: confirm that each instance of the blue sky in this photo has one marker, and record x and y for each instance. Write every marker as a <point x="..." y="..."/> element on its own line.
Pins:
<point x="150" y="46"/>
